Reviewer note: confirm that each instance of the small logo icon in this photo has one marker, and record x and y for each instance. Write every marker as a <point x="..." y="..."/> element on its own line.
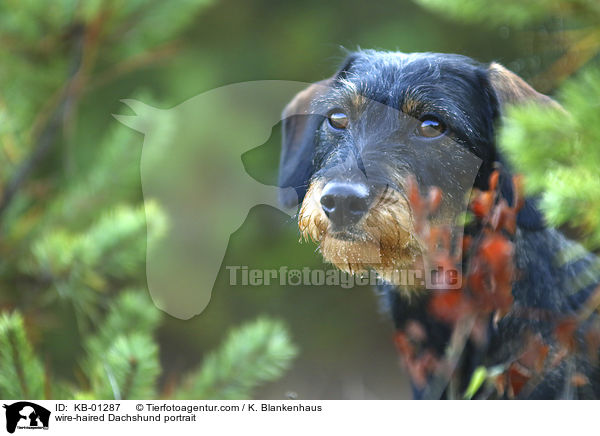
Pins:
<point x="26" y="415"/>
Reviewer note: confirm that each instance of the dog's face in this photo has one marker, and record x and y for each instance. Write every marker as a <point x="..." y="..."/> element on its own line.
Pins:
<point x="352" y="142"/>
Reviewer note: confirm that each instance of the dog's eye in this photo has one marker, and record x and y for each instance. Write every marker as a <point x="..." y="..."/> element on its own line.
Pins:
<point x="431" y="127"/>
<point x="338" y="120"/>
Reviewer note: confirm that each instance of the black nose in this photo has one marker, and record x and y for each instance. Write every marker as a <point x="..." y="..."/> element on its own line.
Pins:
<point x="344" y="203"/>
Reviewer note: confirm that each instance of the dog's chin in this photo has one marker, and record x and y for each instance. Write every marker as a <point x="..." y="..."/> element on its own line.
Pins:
<point x="359" y="253"/>
<point x="382" y="241"/>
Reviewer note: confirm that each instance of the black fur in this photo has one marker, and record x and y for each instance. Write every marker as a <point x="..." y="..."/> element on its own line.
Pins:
<point x="458" y="90"/>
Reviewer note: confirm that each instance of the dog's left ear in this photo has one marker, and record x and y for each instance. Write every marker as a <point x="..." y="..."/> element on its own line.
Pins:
<point x="509" y="89"/>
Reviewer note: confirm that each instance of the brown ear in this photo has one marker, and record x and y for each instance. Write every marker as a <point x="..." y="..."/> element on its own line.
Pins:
<point x="300" y="104"/>
<point x="299" y="129"/>
<point x="511" y="89"/>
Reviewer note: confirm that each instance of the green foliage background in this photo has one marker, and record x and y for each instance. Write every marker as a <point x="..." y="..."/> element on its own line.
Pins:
<point x="77" y="321"/>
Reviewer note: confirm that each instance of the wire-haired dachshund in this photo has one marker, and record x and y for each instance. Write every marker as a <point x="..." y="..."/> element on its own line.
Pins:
<point x="356" y="144"/>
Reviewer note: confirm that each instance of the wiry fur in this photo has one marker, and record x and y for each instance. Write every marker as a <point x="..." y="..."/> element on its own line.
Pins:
<point x="383" y="240"/>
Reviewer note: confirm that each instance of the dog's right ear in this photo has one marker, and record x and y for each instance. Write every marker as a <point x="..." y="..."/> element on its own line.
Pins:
<point x="510" y="89"/>
<point x="299" y="129"/>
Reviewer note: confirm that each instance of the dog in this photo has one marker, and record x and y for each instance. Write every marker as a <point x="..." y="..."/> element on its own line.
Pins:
<point x="355" y="144"/>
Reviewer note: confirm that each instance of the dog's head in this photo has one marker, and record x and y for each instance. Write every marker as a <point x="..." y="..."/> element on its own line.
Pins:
<point x="352" y="142"/>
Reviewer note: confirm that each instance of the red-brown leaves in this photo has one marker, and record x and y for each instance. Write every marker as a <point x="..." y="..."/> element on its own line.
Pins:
<point x="403" y="345"/>
<point x="482" y="203"/>
<point x="487" y="286"/>
<point x="497" y="251"/>
<point x="487" y="283"/>
<point x="492" y="273"/>
<point x="565" y="333"/>
<point x="578" y="380"/>
<point x="485" y="295"/>
<point x="448" y="305"/>
<point x="518" y="376"/>
<point x="530" y="363"/>
<point x="535" y="353"/>
<point x="419" y="362"/>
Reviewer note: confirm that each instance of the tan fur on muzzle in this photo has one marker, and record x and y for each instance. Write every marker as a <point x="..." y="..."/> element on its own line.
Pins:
<point x="385" y="240"/>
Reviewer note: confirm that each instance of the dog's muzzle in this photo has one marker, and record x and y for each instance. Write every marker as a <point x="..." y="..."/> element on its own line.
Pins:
<point x="359" y="226"/>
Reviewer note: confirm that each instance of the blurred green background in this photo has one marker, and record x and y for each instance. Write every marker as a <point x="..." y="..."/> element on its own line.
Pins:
<point x="65" y="69"/>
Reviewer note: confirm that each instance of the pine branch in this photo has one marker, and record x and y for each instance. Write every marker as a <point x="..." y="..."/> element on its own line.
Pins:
<point x="17" y="361"/>
<point x="132" y="311"/>
<point x="48" y="134"/>
<point x="132" y="368"/>
<point x="129" y="369"/>
<point x="514" y="12"/>
<point x="79" y="265"/>
<point x="253" y="354"/>
<point x="21" y="373"/>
